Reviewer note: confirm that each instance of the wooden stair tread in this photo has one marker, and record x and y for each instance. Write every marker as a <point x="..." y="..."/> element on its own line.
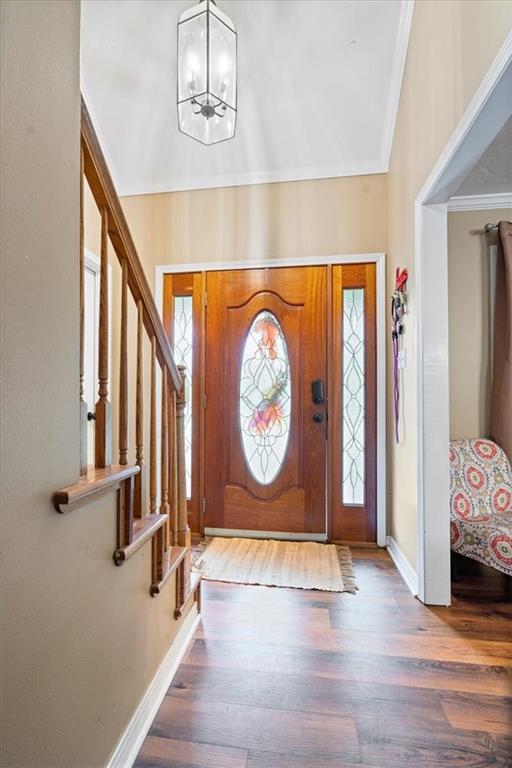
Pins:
<point x="96" y="481"/>
<point x="171" y="561"/>
<point x="144" y="529"/>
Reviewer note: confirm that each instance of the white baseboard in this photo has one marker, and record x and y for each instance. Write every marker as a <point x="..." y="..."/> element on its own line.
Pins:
<point x="131" y="741"/>
<point x="282" y="535"/>
<point x="404" y="567"/>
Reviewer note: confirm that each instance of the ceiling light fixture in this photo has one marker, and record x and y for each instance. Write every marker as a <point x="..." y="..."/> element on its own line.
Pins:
<point x="206" y="73"/>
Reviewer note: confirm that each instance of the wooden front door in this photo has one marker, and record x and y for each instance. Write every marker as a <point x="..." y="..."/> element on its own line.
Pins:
<point x="265" y="385"/>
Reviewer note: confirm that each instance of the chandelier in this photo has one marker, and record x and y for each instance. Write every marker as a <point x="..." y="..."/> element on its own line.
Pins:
<point x="206" y="73"/>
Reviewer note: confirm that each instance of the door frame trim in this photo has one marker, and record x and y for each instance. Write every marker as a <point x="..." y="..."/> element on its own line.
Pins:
<point x="321" y="261"/>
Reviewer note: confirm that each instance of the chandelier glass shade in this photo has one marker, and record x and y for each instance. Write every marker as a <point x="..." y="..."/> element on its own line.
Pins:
<point x="206" y="73"/>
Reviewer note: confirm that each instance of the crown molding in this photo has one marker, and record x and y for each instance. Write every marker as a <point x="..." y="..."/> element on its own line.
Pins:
<point x="309" y="173"/>
<point x="480" y="202"/>
<point x="396" y="80"/>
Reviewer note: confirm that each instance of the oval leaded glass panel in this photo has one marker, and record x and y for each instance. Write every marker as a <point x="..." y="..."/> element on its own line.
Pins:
<point x="265" y="398"/>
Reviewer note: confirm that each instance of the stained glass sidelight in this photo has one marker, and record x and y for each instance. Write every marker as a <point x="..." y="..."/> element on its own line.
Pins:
<point x="265" y="398"/>
<point x="183" y="356"/>
<point x="353" y="461"/>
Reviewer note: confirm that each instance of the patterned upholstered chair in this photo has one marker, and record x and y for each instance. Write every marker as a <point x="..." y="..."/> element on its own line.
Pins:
<point x="481" y="502"/>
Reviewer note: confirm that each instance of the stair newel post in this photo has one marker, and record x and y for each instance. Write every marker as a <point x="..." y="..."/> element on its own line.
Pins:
<point x="140" y="478"/>
<point x="83" y="404"/>
<point x="103" y="406"/>
<point x="123" y="369"/>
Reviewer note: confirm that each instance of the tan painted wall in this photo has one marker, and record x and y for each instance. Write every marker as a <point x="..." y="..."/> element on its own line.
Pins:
<point x="451" y="47"/>
<point x="285" y="220"/>
<point x="470" y="321"/>
<point x="81" y="639"/>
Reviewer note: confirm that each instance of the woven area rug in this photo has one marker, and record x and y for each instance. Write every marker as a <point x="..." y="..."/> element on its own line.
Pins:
<point x="297" y="564"/>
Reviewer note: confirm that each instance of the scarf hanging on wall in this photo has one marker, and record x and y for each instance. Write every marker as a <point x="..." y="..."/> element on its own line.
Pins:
<point x="398" y="310"/>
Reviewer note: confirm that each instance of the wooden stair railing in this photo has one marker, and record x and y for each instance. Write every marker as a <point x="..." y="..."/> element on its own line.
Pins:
<point x="165" y="522"/>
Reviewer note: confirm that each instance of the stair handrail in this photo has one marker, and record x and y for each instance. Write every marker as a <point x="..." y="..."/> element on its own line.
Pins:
<point x="103" y="190"/>
<point x="159" y="516"/>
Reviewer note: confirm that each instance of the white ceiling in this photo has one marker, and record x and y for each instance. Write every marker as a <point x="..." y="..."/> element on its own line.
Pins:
<point x="318" y="89"/>
<point x="493" y="172"/>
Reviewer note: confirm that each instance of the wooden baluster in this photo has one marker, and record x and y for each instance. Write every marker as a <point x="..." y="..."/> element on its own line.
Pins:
<point x="157" y="558"/>
<point x="173" y="472"/>
<point x="103" y="406"/>
<point x="164" y="497"/>
<point x="140" y="478"/>
<point x="83" y="404"/>
<point x="183" y="580"/>
<point x="125" y="513"/>
<point x="123" y="369"/>
<point x="164" y="505"/>
<point x="170" y="480"/>
<point x="183" y="529"/>
<point x="178" y="599"/>
<point x="152" y="434"/>
<point x="160" y="541"/>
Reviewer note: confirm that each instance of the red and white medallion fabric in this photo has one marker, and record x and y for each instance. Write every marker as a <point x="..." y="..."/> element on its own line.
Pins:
<point x="481" y="502"/>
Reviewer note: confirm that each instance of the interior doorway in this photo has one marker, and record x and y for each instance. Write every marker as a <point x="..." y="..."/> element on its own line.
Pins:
<point x="488" y="111"/>
<point x="283" y="423"/>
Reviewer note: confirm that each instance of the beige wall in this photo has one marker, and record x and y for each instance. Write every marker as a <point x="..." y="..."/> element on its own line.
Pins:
<point x="264" y="221"/>
<point x="451" y="47"/>
<point x="81" y="639"/>
<point x="470" y="320"/>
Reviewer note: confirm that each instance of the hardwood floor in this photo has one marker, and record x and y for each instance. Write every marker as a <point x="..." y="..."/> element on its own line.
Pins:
<point x="282" y="678"/>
